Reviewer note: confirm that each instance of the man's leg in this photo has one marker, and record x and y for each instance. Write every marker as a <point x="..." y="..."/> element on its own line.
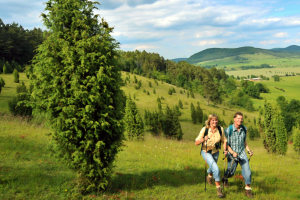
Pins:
<point x="246" y="172"/>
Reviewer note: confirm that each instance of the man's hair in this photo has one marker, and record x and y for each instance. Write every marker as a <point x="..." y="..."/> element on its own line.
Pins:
<point x="238" y="113"/>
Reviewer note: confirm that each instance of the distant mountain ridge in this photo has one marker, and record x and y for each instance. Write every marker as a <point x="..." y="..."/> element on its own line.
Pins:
<point x="219" y="53"/>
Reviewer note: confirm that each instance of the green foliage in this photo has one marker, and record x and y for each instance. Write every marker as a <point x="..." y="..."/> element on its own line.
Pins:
<point x="159" y="103"/>
<point x="170" y="91"/>
<point x="134" y="125"/>
<point x="239" y="98"/>
<point x="16" y="76"/>
<point x="252" y="133"/>
<point x="74" y="63"/>
<point x="199" y="114"/>
<point x="2" y="82"/>
<point x="20" y="104"/>
<point x="296" y="140"/>
<point x="250" y="89"/>
<point x="290" y="112"/>
<point x="18" y="44"/>
<point x="171" y="125"/>
<point x="180" y="104"/>
<point x="275" y="134"/>
<point x="193" y="114"/>
<point x="276" y="78"/>
<point x="4" y="69"/>
<point x="281" y="134"/>
<point x="138" y="85"/>
<point x="211" y="90"/>
<point x="150" y="84"/>
<point x="154" y="91"/>
<point x="269" y="130"/>
<point x="153" y="120"/>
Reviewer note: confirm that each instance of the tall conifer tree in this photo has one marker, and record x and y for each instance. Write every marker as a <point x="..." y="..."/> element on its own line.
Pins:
<point x="75" y="80"/>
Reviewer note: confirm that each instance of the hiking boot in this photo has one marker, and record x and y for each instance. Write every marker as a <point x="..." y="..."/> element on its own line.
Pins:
<point x="225" y="182"/>
<point x="209" y="180"/>
<point x="249" y="194"/>
<point x="220" y="193"/>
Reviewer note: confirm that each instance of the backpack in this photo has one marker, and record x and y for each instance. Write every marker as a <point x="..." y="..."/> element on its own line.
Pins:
<point x="218" y="145"/>
<point x="231" y="130"/>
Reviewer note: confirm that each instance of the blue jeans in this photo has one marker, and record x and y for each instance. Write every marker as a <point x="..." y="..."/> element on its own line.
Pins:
<point x="211" y="160"/>
<point x="231" y="167"/>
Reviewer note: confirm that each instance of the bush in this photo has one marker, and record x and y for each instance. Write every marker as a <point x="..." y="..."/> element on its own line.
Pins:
<point x="296" y="140"/>
<point x="16" y="76"/>
<point x="171" y="126"/>
<point x="180" y="104"/>
<point x="193" y="114"/>
<point x="5" y="69"/>
<point x="2" y="82"/>
<point x="20" y="104"/>
<point x="134" y="125"/>
<point x="252" y="133"/>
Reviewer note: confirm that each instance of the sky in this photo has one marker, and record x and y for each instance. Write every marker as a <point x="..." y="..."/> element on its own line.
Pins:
<point x="180" y="28"/>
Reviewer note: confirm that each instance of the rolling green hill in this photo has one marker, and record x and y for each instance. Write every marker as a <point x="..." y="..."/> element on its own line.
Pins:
<point x="237" y="58"/>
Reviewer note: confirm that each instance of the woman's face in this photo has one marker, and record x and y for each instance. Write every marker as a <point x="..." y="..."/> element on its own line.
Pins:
<point x="214" y="122"/>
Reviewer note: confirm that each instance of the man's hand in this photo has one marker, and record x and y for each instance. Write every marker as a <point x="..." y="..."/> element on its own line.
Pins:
<point x="234" y="154"/>
<point x="250" y="152"/>
<point x="197" y="142"/>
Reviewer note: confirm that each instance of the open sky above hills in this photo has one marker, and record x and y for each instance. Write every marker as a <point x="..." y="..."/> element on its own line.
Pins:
<point x="175" y="28"/>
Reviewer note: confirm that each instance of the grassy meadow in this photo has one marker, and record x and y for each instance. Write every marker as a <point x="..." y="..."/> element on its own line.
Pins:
<point x="155" y="168"/>
<point x="268" y="72"/>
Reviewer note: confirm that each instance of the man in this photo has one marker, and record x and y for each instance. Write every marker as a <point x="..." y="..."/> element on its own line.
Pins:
<point x="235" y="151"/>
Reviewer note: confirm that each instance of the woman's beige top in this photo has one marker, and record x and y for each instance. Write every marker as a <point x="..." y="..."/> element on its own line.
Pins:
<point x="213" y="139"/>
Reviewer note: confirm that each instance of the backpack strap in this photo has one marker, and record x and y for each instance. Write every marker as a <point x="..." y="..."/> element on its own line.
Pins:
<point x="205" y="134"/>
<point x="230" y="130"/>
<point x="218" y="145"/>
<point x="245" y="130"/>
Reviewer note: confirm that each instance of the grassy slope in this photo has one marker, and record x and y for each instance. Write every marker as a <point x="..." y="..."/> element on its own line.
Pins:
<point x="290" y="84"/>
<point x="155" y="168"/>
<point x="190" y="130"/>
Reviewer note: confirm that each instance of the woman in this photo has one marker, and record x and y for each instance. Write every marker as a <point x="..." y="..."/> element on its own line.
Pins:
<point x="211" y="137"/>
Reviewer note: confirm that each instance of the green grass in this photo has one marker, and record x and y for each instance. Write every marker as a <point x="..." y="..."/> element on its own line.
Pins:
<point x="155" y="168"/>
<point x="268" y="72"/>
<point x="27" y="170"/>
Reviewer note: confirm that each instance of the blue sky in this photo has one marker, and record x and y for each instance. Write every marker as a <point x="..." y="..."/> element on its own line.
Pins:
<point x="178" y="28"/>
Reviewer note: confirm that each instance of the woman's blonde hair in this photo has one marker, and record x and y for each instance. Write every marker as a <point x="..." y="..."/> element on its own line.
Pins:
<point x="210" y="117"/>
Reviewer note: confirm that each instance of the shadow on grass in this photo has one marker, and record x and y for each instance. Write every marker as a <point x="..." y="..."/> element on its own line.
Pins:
<point x="148" y="179"/>
<point x="27" y="168"/>
<point x="266" y="185"/>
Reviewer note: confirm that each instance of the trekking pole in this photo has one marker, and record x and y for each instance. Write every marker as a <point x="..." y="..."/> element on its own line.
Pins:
<point x="225" y="156"/>
<point x="205" y="162"/>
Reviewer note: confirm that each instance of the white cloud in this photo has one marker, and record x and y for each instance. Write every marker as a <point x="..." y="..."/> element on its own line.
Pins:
<point x="208" y="42"/>
<point x="281" y="35"/>
<point x="268" y="42"/>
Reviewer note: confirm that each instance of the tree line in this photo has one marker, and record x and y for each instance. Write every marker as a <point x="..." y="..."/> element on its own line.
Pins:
<point x="17" y="46"/>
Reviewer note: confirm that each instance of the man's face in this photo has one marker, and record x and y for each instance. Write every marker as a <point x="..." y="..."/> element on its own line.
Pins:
<point x="238" y="120"/>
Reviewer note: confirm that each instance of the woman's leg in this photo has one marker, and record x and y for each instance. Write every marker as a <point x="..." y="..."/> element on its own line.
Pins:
<point x="212" y="164"/>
